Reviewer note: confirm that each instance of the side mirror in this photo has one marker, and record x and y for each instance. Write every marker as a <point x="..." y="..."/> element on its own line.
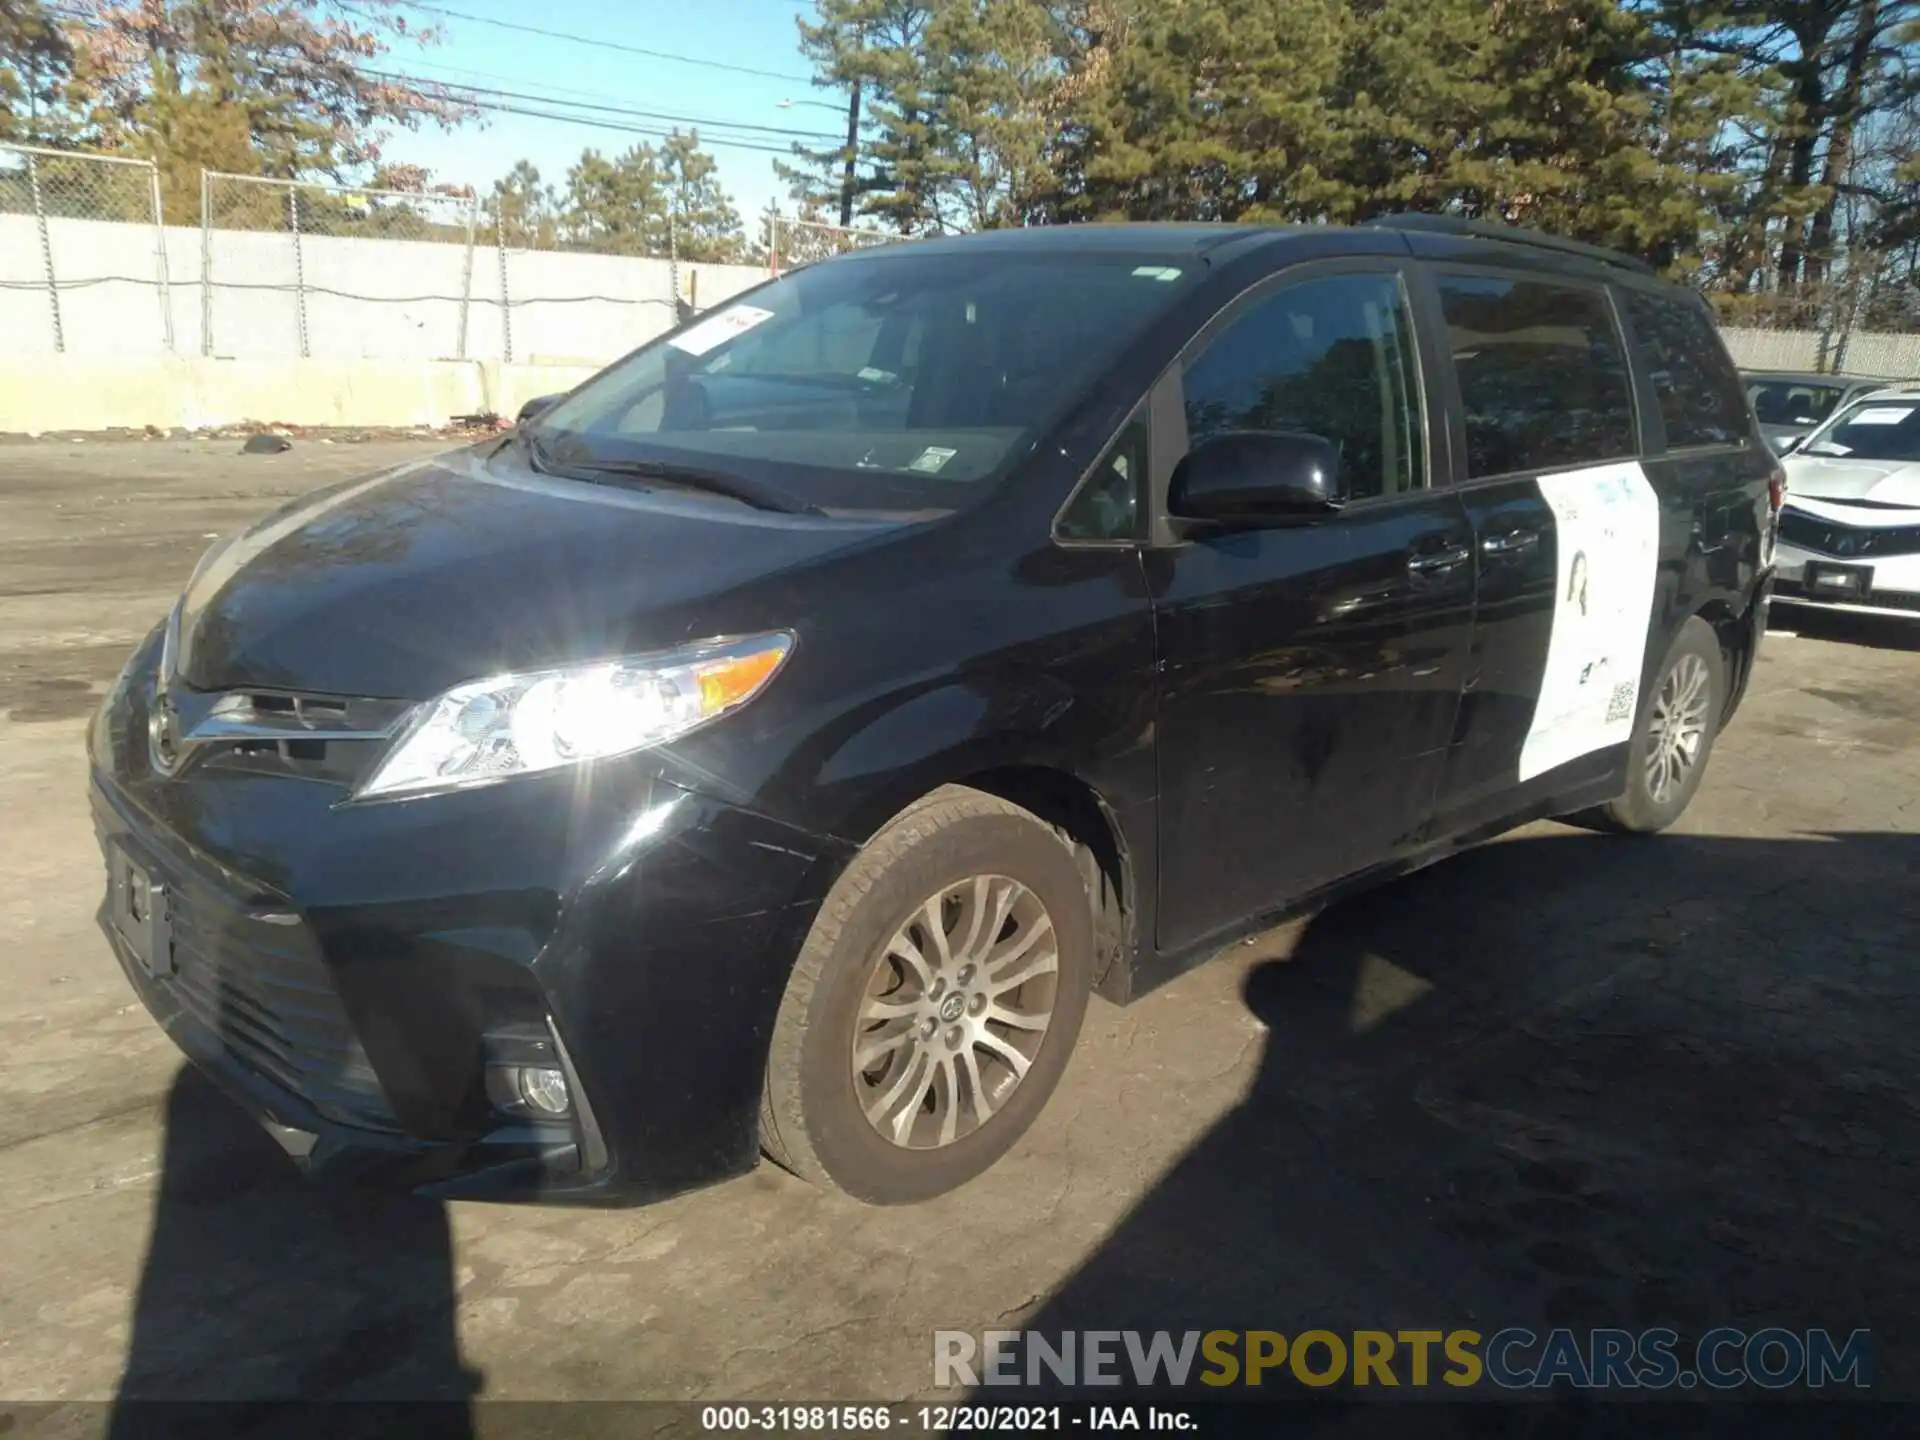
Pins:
<point x="1249" y="477"/>
<point x="537" y="406"/>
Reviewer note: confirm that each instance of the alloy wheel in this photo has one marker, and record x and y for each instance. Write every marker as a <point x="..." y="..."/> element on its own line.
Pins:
<point x="955" y="1012"/>
<point x="1677" y="727"/>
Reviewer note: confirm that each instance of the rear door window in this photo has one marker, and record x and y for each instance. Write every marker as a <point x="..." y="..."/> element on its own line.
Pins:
<point x="1699" y="389"/>
<point x="1542" y="372"/>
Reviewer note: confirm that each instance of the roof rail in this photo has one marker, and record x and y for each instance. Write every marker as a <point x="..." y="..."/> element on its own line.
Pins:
<point x="1511" y="234"/>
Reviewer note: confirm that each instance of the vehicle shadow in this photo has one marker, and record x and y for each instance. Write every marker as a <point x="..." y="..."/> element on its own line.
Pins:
<point x="263" y="1293"/>
<point x="1562" y="1080"/>
<point x="1878" y="632"/>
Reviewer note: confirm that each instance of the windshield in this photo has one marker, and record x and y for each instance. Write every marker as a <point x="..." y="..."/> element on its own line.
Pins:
<point x="1793" y="402"/>
<point x="1872" y="430"/>
<point x="906" y="381"/>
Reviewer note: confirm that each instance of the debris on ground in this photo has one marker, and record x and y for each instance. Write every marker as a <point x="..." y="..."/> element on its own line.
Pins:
<point x="266" y="444"/>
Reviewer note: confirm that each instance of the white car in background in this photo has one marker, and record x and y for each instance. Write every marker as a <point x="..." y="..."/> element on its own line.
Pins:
<point x="1850" y="527"/>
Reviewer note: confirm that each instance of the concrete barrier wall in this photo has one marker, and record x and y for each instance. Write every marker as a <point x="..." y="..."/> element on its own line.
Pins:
<point x="363" y="298"/>
<point x="72" y="392"/>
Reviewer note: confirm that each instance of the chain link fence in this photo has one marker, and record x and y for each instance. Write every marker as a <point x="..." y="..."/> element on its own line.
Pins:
<point x="792" y="243"/>
<point x="84" y="261"/>
<point x="298" y="268"/>
<point x="277" y="269"/>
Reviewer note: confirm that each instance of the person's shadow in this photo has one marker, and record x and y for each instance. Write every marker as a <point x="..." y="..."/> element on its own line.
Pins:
<point x="1566" y="1080"/>
<point x="263" y="1293"/>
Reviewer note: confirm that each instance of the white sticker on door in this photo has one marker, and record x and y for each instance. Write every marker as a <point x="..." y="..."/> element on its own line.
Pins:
<point x="717" y="329"/>
<point x="1607" y="527"/>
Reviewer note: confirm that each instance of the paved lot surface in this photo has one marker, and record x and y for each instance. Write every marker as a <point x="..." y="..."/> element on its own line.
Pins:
<point x="1563" y="1078"/>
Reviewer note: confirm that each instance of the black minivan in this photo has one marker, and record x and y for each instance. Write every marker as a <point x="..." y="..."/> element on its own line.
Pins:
<point x="771" y="746"/>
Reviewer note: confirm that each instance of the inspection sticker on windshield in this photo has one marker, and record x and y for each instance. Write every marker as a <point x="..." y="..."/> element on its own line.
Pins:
<point x="1606" y="522"/>
<point x="1157" y="272"/>
<point x="931" y="459"/>
<point x="1882" y="415"/>
<point x="718" y="329"/>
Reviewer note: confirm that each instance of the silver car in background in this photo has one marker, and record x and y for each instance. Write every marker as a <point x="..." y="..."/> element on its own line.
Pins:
<point x="1850" y="527"/>
<point x="1791" y="404"/>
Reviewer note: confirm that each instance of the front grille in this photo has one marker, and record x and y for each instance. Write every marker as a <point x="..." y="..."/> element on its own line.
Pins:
<point x="1830" y="537"/>
<point x="306" y="737"/>
<point x="260" y="986"/>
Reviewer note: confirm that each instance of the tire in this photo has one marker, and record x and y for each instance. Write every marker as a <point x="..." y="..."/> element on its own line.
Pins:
<point x="855" y="977"/>
<point x="1693" y="680"/>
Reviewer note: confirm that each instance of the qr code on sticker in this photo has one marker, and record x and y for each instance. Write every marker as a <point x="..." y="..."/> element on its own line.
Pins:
<point x="1620" y="703"/>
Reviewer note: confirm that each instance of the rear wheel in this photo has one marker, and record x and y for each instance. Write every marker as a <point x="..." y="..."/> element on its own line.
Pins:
<point x="1675" y="734"/>
<point x="934" y="1005"/>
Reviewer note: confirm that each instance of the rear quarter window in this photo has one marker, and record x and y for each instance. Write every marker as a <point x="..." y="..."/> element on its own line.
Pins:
<point x="1698" y="388"/>
<point x="1542" y="372"/>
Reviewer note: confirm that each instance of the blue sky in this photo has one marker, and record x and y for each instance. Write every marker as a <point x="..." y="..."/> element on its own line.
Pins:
<point x="754" y="34"/>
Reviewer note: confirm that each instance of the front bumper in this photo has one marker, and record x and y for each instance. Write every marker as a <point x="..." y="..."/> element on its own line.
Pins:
<point x="343" y="972"/>
<point x="1893" y="588"/>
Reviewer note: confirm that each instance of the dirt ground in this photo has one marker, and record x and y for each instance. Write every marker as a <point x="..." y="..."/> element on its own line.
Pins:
<point x="1563" y="1079"/>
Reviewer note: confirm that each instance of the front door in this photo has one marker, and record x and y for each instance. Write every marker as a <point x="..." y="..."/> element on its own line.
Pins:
<point x="1309" y="673"/>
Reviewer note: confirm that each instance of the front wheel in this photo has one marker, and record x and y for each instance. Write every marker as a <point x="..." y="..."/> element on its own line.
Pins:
<point x="934" y="1005"/>
<point x="1675" y="733"/>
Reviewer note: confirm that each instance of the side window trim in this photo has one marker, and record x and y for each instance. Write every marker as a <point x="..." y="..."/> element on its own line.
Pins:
<point x="1649" y="421"/>
<point x="1437" y="271"/>
<point x="1400" y="267"/>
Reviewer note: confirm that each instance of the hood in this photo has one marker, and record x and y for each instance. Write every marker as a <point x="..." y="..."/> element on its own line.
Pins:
<point x="1885" y="482"/>
<point x="443" y="571"/>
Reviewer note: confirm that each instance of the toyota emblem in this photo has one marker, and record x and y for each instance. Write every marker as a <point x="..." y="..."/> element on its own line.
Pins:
<point x="163" y="734"/>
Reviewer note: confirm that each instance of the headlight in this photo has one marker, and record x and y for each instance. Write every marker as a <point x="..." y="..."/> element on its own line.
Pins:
<point x="509" y="725"/>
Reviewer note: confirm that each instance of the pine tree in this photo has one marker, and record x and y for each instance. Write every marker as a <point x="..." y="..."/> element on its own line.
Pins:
<point x="1208" y="110"/>
<point x="615" y="207"/>
<point x="879" y="48"/>
<point x="706" y="226"/>
<point x="36" y="63"/>
<point x="521" y="210"/>
<point x="995" y="70"/>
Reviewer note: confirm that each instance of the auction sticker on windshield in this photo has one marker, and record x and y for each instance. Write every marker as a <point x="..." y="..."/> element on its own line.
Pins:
<point x="1881" y="415"/>
<point x="1607" y="521"/>
<point x="718" y="329"/>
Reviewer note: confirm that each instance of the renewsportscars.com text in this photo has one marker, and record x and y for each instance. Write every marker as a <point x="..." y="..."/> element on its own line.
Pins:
<point x="1514" y="1358"/>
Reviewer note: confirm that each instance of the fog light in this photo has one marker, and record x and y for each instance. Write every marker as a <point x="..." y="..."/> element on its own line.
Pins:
<point x="543" y="1089"/>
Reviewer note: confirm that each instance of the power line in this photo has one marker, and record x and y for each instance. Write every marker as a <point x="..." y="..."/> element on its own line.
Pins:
<point x="602" y="43"/>
<point x="454" y="89"/>
<point x="421" y="63"/>
<point x="650" y="131"/>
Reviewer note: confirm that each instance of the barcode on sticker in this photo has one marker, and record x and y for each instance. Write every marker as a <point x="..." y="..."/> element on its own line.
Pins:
<point x="1620" y="703"/>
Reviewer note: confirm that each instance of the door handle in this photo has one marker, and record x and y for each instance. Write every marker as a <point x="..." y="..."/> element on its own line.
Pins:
<point x="1510" y="543"/>
<point x="1430" y="562"/>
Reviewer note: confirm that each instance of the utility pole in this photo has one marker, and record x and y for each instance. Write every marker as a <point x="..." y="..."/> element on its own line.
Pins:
<point x="853" y="142"/>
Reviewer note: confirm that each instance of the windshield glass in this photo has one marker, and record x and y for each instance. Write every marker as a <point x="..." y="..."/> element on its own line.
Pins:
<point x="1872" y="430"/>
<point x="1793" y="402"/>
<point x="906" y="381"/>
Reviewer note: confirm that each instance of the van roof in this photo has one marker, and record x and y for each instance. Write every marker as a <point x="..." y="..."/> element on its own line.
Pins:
<point x="1181" y="238"/>
<point x="1198" y="238"/>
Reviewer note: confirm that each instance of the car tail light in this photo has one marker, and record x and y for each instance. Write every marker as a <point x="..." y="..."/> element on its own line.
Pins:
<point x="1777" y="487"/>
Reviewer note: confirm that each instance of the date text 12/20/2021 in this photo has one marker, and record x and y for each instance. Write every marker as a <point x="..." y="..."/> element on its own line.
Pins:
<point x="939" y="1419"/>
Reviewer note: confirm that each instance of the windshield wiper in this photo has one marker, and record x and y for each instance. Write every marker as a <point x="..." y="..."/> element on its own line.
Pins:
<point x="714" y="482"/>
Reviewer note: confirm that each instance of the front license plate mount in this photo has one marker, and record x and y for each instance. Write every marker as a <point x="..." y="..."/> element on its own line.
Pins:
<point x="1838" y="582"/>
<point x="142" y="912"/>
